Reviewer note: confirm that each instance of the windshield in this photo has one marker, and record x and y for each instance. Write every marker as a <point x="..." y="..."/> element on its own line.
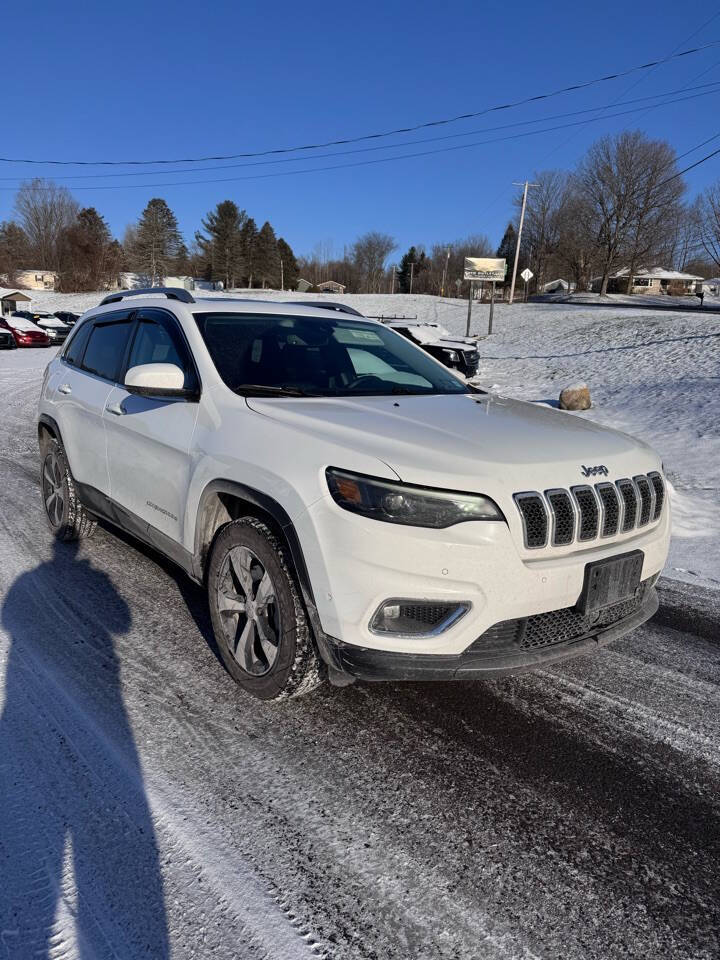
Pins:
<point x="317" y="356"/>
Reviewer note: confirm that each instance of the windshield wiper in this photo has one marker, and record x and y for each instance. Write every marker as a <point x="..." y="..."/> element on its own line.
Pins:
<point x="264" y="390"/>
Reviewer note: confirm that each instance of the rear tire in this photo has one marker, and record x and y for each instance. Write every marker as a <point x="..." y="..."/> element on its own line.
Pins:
<point x="257" y="615"/>
<point x="67" y="517"/>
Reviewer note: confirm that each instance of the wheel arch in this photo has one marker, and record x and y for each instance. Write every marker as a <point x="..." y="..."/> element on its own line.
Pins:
<point x="223" y="501"/>
<point x="47" y="430"/>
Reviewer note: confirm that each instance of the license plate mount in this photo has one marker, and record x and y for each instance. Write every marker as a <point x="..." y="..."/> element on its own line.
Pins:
<point x="610" y="581"/>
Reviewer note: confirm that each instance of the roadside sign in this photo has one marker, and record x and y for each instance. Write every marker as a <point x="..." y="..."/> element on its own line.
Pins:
<point x="527" y="275"/>
<point x="484" y="268"/>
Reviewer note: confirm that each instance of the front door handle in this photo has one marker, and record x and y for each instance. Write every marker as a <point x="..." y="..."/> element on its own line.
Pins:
<point x="115" y="408"/>
<point x="65" y="388"/>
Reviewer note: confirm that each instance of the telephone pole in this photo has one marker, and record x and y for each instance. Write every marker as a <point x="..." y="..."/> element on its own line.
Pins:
<point x="519" y="236"/>
<point x="444" y="273"/>
<point x="412" y="268"/>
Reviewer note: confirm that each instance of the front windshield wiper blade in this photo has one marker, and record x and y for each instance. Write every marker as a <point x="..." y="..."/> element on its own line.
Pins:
<point x="264" y="390"/>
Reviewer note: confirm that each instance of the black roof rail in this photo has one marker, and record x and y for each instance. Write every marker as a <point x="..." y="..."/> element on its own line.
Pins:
<point x="327" y="305"/>
<point x="172" y="293"/>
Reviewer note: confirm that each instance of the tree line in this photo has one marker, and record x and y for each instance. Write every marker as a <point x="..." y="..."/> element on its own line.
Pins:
<point x="624" y="206"/>
<point x="50" y="231"/>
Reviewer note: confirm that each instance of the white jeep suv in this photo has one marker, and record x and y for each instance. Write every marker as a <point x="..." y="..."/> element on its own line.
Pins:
<point x="354" y="509"/>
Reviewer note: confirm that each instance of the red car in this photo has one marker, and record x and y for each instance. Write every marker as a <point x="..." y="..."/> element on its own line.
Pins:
<point x="25" y="332"/>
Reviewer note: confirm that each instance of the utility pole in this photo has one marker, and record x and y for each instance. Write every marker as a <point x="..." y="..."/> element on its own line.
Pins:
<point x="519" y="236"/>
<point x="412" y="268"/>
<point x="393" y="280"/>
<point x="444" y="275"/>
<point x="282" y="275"/>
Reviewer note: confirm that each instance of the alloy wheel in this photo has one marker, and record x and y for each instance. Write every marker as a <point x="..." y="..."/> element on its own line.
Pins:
<point x="53" y="487"/>
<point x="249" y="611"/>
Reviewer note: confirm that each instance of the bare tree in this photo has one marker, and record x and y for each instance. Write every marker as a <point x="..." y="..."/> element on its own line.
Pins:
<point x="631" y="196"/>
<point x="575" y="250"/>
<point x="541" y="231"/>
<point x="13" y="250"/>
<point x="708" y="221"/>
<point x="45" y="210"/>
<point x="369" y="255"/>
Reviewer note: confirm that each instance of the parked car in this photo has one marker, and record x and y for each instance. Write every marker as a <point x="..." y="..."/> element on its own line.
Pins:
<point x="56" y="330"/>
<point x="353" y="508"/>
<point x="459" y="353"/>
<point x="67" y="317"/>
<point x="25" y="332"/>
<point x="7" y="340"/>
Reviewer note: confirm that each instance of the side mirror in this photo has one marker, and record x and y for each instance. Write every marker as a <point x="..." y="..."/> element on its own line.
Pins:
<point x="157" y="380"/>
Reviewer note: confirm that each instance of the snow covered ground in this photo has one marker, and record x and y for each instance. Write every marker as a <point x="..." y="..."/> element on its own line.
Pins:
<point x="652" y="374"/>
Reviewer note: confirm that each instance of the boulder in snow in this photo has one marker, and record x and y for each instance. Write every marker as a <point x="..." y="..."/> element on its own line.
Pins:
<point x="575" y="397"/>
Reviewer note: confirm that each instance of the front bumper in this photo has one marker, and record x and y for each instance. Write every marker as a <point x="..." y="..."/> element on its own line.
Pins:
<point x="483" y="658"/>
<point x="356" y="564"/>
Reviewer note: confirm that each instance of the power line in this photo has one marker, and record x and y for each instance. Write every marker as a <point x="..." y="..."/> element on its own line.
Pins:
<point x="375" y="136"/>
<point x="692" y="166"/>
<point x="714" y="85"/>
<point x="363" y="163"/>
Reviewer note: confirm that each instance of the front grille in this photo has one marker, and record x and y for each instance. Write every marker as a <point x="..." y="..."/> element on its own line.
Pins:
<point x="585" y="513"/>
<point x="589" y="512"/>
<point x="561" y="510"/>
<point x="630" y="503"/>
<point x="534" y="518"/>
<point x="659" y="487"/>
<point x="611" y="508"/>
<point x="557" y="626"/>
<point x="646" y="500"/>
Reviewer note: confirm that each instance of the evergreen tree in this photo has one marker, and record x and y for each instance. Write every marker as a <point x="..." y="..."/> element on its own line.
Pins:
<point x="91" y="258"/>
<point x="248" y="245"/>
<point x="156" y="242"/>
<point x="183" y="266"/>
<point x="403" y="274"/>
<point x="267" y="263"/>
<point x="14" y="249"/>
<point x="223" y="245"/>
<point x="290" y="269"/>
<point x="506" y="250"/>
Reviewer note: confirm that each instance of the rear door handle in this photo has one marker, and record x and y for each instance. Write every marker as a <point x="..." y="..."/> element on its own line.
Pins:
<point x="65" y="388"/>
<point x="115" y="408"/>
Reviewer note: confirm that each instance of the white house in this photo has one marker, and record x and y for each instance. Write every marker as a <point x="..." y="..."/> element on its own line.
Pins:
<point x="36" y="279"/>
<point x="711" y="288"/>
<point x="657" y="280"/>
<point x="12" y="300"/>
<point x="330" y="286"/>
<point x="131" y="281"/>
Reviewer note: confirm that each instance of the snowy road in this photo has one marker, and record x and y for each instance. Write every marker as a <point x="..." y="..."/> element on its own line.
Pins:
<point x="148" y="808"/>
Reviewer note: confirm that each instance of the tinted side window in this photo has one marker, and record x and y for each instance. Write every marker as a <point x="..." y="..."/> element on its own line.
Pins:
<point x="77" y="343"/>
<point x="106" y="348"/>
<point x="158" y="340"/>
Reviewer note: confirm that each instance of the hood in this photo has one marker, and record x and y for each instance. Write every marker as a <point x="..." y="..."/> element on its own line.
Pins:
<point x="23" y="325"/>
<point x="461" y="441"/>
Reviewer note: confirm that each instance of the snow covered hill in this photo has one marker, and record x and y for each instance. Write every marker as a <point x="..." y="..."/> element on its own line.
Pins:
<point x="651" y="374"/>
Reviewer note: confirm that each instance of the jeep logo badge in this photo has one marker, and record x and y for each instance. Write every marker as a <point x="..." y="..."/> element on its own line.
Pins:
<point x="594" y="471"/>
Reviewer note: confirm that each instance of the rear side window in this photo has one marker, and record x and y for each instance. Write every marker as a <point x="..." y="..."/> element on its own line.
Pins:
<point x="106" y="348"/>
<point x="76" y="345"/>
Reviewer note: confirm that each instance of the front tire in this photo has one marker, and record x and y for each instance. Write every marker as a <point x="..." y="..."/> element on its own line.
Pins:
<point x="257" y="615"/>
<point x="67" y="517"/>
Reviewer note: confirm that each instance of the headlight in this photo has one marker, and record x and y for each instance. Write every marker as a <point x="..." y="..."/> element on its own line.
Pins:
<point x="452" y="355"/>
<point x="413" y="506"/>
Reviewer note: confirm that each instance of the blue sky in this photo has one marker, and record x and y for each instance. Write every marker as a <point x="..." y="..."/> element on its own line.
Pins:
<point x="147" y="80"/>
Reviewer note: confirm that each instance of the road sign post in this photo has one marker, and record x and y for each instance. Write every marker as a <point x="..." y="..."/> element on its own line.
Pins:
<point x="527" y="276"/>
<point x="482" y="269"/>
<point x="470" y="299"/>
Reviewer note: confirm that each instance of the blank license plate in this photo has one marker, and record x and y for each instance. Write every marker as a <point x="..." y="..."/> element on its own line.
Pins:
<point x="611" y="581"/>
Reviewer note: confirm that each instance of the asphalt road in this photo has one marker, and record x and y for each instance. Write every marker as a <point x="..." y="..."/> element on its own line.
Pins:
<point x="148" y="808"/>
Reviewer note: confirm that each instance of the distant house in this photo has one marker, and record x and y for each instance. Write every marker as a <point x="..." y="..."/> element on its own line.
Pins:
<point x="132" y="281"/>
<point x="330" y="286"/>
<point x="303" y="285"/>
<point x="654" y="281"/>
<point x="557" y="286"/>
<point x="36" y="279"/>
<point x="12" y="300"/>
<point x="711" y="288"/>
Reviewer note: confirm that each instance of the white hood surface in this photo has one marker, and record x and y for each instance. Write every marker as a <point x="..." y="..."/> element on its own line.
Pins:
<point x="455" y="441"/>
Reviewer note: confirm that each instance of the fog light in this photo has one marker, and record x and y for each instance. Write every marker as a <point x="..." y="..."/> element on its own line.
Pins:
<point x="416" y="618"/>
